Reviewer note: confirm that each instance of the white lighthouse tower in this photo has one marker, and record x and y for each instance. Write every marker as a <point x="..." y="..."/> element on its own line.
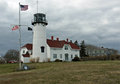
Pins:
<point x="39" y="37"/>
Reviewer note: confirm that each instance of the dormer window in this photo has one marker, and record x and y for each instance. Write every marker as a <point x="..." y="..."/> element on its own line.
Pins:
<point x="66" y="47"/>
<point x="23" y="51"/>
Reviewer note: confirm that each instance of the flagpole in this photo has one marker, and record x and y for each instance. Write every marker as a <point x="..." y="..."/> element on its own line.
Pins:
<point x="37" y="6"/>
<point x="19" y="38"/>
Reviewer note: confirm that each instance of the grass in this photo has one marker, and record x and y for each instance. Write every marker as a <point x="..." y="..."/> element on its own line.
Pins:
<point x="7" y="68"/>
<point x="86" y="72"/>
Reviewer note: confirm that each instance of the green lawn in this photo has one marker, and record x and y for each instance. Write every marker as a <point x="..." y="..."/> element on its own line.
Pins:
<point x="87" y="72"/>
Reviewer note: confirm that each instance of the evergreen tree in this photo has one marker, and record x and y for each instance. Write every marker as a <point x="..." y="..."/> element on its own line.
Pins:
<point x="76" y="43"/>
<point x="82" y="51"/>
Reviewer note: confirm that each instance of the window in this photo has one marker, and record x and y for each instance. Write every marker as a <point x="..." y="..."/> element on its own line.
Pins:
<point x="66" y="47"/>
<point x="54" y="49"/>
<point x="61" y="56"/>
<point x="42" y="49"/>
<point x="54" y="56"/>
<point x="71" y="56"/>
<point x="23" y="51"/>
<point x="39" y="19"/>
<point x="43" y="18"/>
<point x="76" y="55"/>
<point x="102" y="51"/>
<point x="35" y="19"/>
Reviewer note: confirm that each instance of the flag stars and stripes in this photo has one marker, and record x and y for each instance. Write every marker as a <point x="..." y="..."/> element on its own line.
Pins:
<point x="15" y="27"/>
<point x="24" y="7"/>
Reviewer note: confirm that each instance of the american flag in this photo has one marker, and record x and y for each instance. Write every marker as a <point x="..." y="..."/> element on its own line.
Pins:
<point x="15" y="27"/>
<point x="24" y="7"/>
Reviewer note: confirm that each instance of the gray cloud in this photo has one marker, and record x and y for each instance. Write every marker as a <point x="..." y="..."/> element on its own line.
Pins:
<point x="95" y="21"/>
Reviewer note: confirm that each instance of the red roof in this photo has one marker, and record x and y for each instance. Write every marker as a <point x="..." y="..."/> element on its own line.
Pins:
<point x="60" y="44"/>
<point x="73" y="46"/>
<point x="28" y="46"/>
<point x="55" y="44"/>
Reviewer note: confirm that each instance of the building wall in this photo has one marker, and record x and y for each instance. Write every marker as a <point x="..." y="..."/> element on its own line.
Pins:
<point x="48" y="52"/>
<point x="98" y="51"/>
<point x="23" y="51"/>
<point x="39" y="41"/>
<point x="62" y="52"/>
<point x="26" y="60"/>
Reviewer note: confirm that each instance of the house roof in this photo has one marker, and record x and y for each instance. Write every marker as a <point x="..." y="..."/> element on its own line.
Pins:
<point x="28" y="46"/>
<point x="60" y="44"/>
<point x="54" y="44"/>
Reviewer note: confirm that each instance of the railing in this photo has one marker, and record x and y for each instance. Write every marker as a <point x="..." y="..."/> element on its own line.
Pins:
<point x="39" y="21"/>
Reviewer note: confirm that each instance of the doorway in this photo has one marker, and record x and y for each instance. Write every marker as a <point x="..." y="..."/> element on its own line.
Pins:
<point x="66" y="57"/>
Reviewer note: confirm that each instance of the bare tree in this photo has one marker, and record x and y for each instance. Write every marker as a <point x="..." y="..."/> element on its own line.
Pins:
<point x="11" y="55"/>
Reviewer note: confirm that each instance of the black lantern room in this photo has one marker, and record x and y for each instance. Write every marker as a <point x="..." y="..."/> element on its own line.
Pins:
<point x="39" y="18"/>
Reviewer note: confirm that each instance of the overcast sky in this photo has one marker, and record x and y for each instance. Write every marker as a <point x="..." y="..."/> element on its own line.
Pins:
<point x="95" y="21"/>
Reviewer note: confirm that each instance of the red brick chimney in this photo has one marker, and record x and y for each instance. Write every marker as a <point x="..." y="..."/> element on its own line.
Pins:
<point x="67" y="39"/>
<point x="52" y="38"/>
<point x="57" y="39"/>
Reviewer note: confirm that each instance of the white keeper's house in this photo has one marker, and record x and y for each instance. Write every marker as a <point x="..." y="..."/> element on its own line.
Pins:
<point x="56" y="49"/>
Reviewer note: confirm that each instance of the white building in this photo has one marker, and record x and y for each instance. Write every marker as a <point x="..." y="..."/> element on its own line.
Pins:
<point x="92" y="50"/>
<point x="26" y="53"/>
<point x="39" y="38"/>
<point x="56" y="49"/>
<point x="44" y="50"/>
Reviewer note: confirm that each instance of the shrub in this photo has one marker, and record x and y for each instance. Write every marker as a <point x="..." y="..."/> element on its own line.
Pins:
<point x="32" y="60"/>
<point x="37" y="59"/>
<point x="48" y="59"/>
<point x="110" y="57"/>
<point x="76" y="58"/>
<point x="118" y="57"/>
<point x="57" y="60"/>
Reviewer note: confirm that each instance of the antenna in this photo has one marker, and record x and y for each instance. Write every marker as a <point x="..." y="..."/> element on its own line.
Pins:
<point x="37" y="6"/>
